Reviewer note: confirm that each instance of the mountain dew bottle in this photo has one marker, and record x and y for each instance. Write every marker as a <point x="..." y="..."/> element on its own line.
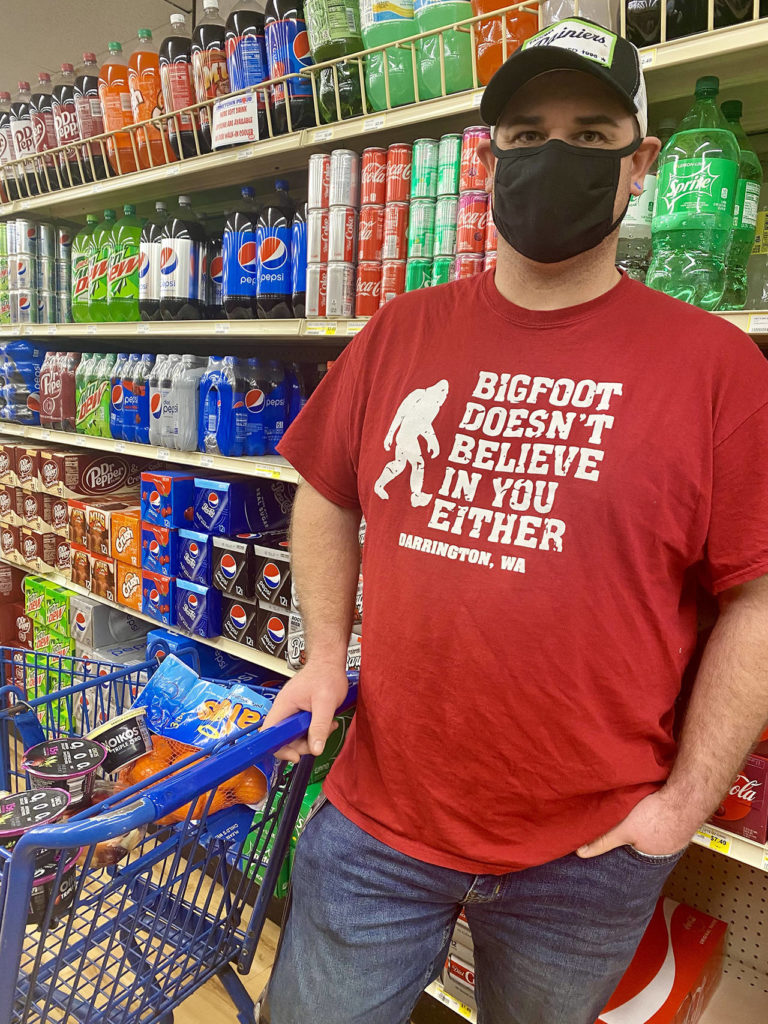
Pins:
<point x="695" y="198"/>
<point x="123" y="274"/>
<point x="744" y="213"/>
<point x="102" y="251"/>
<point x="82" y="262"/>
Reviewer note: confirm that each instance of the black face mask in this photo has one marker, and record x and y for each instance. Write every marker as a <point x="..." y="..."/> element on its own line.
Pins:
<point x="555" y="201"/>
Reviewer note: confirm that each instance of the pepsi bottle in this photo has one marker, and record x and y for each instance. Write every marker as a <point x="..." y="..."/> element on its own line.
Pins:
<point x="247" y="54"/>
<point x="255" y="407"/>
<point x="273" y="241"/>
<point x="214" y="309"/>
<point x="288" y="53"/>
<point x="299" y="261"/>
<point x="222" y="407"/>
<point x="181" y="265"/>
<point x="239" y="262"/>
<point x="116" y="396"/>
<point x="150" y="246"/>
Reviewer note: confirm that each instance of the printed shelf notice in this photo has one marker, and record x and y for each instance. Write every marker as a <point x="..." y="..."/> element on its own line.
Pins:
<point x="235" y="120"/>
<point x="715" y="840"/>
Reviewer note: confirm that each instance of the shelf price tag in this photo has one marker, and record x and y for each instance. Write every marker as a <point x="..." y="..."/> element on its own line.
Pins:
<point x="372" y="124"/>
<point x="322" y="135"/>
<point x="28" y="329"/>
<point x="45" y="435"/>
<point x="714" y="840"/>
<point x="647" y="58"/>
<point x="321" y="327"/>
<point x="90" y="328"/>
<point x="52" y="328"/>
<point x="448" y="1000"/>
<point x="163" y="453"/>
<point x="764" y="865"/>
<point x="221" y="327"/>
<point x="355" y="326"/>
<point x="477" y="98"/>
<point x="208" y="461"/>
<point x="142" y="328"/>
<point x="120" y="446"/>
<point x="758" y="323"/>
<point x="259" y="469"/>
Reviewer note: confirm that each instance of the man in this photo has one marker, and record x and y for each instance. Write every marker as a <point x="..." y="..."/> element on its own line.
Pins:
<point x="573" y="454"/>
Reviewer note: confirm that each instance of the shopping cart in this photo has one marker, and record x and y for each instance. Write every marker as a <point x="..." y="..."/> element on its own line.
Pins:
<point x="137" y="938"/>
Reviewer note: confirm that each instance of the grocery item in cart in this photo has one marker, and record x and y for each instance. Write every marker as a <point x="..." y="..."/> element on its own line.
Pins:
<point x="67" y="763"/>
<point x="125" y="738"/>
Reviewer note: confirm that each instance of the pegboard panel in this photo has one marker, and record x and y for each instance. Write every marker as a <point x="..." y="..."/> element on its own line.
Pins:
<point x="736" y="893"/>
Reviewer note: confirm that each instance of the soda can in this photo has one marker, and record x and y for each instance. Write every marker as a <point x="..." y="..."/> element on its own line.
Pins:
<point x="370" y="233"/>
<point x="448" y="165"/>
<point x="22" y="272"/>
<point x="5" y="283"/>
<point x="421" y="229"/>
<point x="472" y="176"/>
<point x="344" y="188"/>
<point x="340" y="295"/>
<point x="491" y="235"/>
<point x="446" y="210"/>
<point x="466" y="264"/>
<point x="399" y="157"/>
<point x="471" y="222"/>
<point x="317" y="236"/>
<point x="23" y="306"/>
<point x="395" y="245"/>
<point x="63" y="275"/>
<point x="319" y="181"/>
<point x="441" y="270"/>
<point x="317" y="289"/>
<point x="373" y="177"/>
<point x="47" y="312"/>
<point x="424" y="169"/>
<point x="3" y="239"/>
<point x="418" y="274"/>
<point x="26" y="237"/>
<point x="64" y="307"/>
<point x="489" y="263"/>
<point x="392" y="279"/>
<point x="5" y="308"/>
<point x="368" y="288"/>
<point x="46" y="241"/>
<point x="10" y="237"/>
<point x="63" y="244"/>
<point x="45" y="279"/>
<point x="342" y="234"/>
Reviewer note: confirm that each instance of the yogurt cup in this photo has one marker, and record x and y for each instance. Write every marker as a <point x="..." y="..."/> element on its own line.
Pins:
<point x="43" y="889"/>
<point x="126" y="739"/>
<point x="68" y="763"/>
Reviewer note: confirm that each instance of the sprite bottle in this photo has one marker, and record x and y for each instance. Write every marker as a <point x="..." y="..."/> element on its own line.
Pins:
<point x="695" y="198"/>
<point x="82" y="262"/>
<point x="102" y="251"/>
<point x="123" y="272"/>
<point x="744" y="213"/>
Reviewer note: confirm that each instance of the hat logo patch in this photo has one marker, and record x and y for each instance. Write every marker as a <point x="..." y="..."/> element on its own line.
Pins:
<point x="581" y="37"/>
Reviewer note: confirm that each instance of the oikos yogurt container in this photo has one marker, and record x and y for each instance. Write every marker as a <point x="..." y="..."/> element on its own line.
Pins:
<point x="125" y="738"/>
<point x="68" y="763"/>
<point x="45" y="890"/>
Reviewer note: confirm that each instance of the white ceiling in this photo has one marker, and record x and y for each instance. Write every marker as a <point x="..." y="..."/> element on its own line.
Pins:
<point x="38" y="35"/>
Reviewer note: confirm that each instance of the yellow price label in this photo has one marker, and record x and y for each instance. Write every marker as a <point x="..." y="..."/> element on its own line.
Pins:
<point x="714" y="840"/>
<point x="764" y="865"/>
<point x="321" y="327"/>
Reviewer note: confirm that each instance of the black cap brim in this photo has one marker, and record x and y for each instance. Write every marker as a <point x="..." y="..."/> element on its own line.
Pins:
<point x="524" y="65"/>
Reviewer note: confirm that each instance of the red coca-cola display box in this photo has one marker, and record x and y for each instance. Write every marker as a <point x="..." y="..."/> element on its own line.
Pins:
<point x="675" y="971"/>
<point x="744" y="810"/>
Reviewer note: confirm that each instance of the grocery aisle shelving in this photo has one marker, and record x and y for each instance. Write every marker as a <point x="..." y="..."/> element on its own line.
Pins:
<point x="214" y="330"/>
<point x="277" y="665"/>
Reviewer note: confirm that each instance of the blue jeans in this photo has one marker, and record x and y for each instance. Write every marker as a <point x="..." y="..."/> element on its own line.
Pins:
<point x="369" y="929"/>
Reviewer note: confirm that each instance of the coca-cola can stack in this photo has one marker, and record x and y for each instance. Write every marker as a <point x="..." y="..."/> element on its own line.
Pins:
<point x="370" y="236"/>
<point x="344" y="197"/>
<point x="491" y="237"/>
<point x="472" y="232"/>
<point x="397" y="196"/>
<point x="318" y="215"/>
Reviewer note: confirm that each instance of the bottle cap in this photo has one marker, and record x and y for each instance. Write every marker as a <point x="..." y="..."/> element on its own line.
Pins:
<point x="89" y="58"/>
<point x="161" y="207"/>
<point x="185" y="201"/>
<point x="282" y="185"/>
<point x="4" y="97"/>
<point x="732" y="110"/>
<point x="247" y="192"/>
<point x="178" y="19"/>
<point x="43" y="77"/>
<point x="109" y="215"/>
<point x="709" y="85"/>
<point x="23" y="86"/>
<point x="67" y="67"/>
<point x="115" y="47"/>
<point x="144" y="33"/>
<point x="129" y="209"/>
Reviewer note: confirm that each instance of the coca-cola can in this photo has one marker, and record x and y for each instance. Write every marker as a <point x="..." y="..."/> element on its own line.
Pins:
<point x="63" y="244"/>
<point x="317" y="288"/>
<point x="46" y="241"/>
<point x="471" y="222"/>
<point x="466" y="264"/>
<point x="373" y="176"/>
<point x="368" y="288"/>
<point x="340" y="295"/>
<point x="22" y="272"/>
<point x="392" y="279"/>
<point x="399" y="157"/>
<point x="317" y="236"/>
<point x="473" y="175"/>
<point x="319" y="182"/>
<point x="370" y="234"/>
<point x="345" y="178"/>
<point x="491" y="235"/>
<point x="395" y="245"/>
<point x="342" y="234"/>
<point x="489" y="263"/>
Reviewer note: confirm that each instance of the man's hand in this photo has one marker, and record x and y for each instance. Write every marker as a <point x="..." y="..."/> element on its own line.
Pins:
<point x="657" y="826"/>
<point x="319" y="690"/>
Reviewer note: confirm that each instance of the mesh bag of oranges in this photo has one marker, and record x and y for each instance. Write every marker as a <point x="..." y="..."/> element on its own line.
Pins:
<point x="185" y="713"/>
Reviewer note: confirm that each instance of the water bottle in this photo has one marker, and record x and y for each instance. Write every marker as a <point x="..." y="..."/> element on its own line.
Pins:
<point x="757" y="268"/>
<point x="695" y="197"/>
<point x="384" y="22"/>
<point x="456" y="46"/>
<point x="744" y="214"/>
<point x="185" y="402"/>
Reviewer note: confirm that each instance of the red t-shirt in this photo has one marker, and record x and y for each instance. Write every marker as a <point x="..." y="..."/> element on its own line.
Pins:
<point x="542" y="491"/>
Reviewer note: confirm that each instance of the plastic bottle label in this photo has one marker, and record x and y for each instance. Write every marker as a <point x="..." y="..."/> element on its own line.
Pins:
<point x="274" y="266"/>
<point x="697" y="189"/>
<point x="239" y="263"/>
<point x="89" y="116"/>
<point x="331" y="21"/>
<point x="100" y="273"/>
<point x="374" y="12"/>
<point x="177" y="90"/>
<point x="747" y="202"/>
<point x="760" y="248"/>
<point x="209" y="69"/>
<point x="6" y="145"/>
<point x="116" y="107"/>
<point x="640" y="210"/>
<point x="246" y="62"/>
<point x="149" y="271"/>
<point x="81" y="266"/>
<point x="65" y="122"/>
<point x="124" y="271"/>
<point x="145" y="99"/>
<point x="298" y="257"/>
<point x="288" y="53"/>
<point x="23" y="136"/>
<point x="179" y="268"/>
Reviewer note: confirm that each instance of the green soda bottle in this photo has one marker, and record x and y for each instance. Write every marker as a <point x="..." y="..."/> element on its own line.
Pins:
<point x="333" y="30"/>
<point x="695" y="197"/>
<point x="82" y="261"/>
<point x="387" y="21"/>
<point x="744" y="214"/>
<point x="102" y="251"/>
<point x="456" y="46"/>
<point x="123" y="271"/>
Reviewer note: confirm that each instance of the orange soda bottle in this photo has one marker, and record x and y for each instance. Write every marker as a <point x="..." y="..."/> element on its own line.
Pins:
<point x="115" y="99"/>
<point x="147" y="100"/>
<point x="520" y="25"/>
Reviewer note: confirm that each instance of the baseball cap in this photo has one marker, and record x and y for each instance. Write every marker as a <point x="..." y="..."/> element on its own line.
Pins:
<point x="574" y="44"/>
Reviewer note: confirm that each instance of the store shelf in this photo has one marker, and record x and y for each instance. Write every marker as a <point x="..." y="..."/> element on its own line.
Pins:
<point x="277" y="665"/>
<point x="254" y="330"/>
<point x="270" y="466"/>
<point x="742" y="850"/>
<point x="437" y="992"/>
<point x="751" y="322"/>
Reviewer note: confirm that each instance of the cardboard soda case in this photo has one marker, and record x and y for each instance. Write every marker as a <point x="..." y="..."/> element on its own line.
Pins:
<point x="28" y="466"/>
<point x="8" y="463"/>
<point x="167" y="498"/>
<point x="88" y="475"/>
<point x="128" y="586"/>
<point x="273" y="571"/>
<point x="38" y="547"/>
<point x="126" y="536"/>
<point x="744" y="810"/>
<point x="195" y="557"/>
<point x="11" y="584"/>
<point x="295" y="652"/>
<point x="240" y="620"/>
<point x="234" y="565"/>
<point x="10" y="538"/>
<point x="272" y="634"/>
<point x="96" y="625"/>
<point x="159" y="549"/>
<point x="158" y="597"/>
<point x="228" y="507"/>
<point x="198" y="608"/>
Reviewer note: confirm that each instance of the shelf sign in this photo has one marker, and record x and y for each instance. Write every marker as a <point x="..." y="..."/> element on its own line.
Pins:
<point x="758" y="323"/>
<point x="647" y="58"/>
<point x="714" y="840"/>
<point x="320" y="327"/>
<point x="372" y="124"/>
<point x="163" y="453"/>
<point x="355" y="326"/>
<point x="259" y="469"/>
<point x="235" y="120"/>
<point x="142" y="328"/>
<point x="221" y="327"/>
<point x="764" y="865"/>
<point x="322" y="135"/>
<point x="208" y="461"/>
<point x="446" y="999"/>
